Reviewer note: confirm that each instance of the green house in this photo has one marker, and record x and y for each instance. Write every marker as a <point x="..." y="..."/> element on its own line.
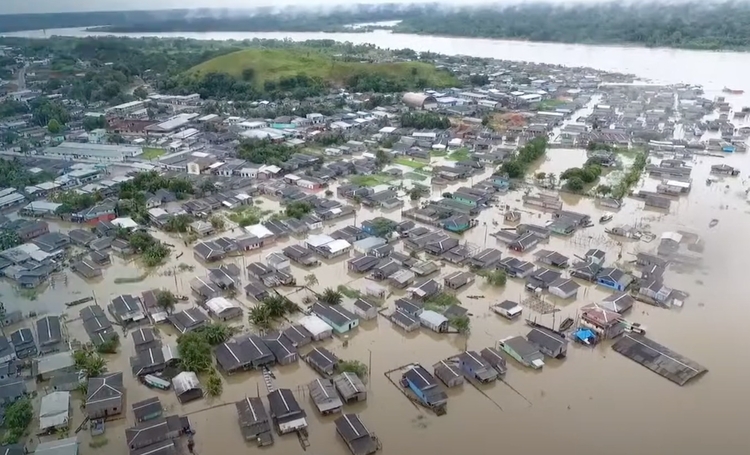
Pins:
<point x="467" y="199"/>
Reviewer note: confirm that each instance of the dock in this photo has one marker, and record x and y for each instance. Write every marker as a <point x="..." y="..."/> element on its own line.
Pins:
<point x="658" y="358"/>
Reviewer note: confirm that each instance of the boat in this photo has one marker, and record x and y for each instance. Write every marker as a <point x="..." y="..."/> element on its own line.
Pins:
<point x="733" y="91"/>
<point x="79" y="301"/>
<point x="566" y="324"/>
<point x="182" y="298"/>
<point x="474" y="297"/>
<point x="713" y="223"/>
<point x="605" y="218"/>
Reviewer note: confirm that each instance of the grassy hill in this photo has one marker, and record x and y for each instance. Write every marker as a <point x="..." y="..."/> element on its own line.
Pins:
<point x="275" y="64"/>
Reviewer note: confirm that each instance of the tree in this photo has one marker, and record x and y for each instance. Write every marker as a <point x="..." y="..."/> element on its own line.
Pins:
<point x="141" y="93"/>
<point x="493" y="277"/>
<point x="297" y="209"/>
<point x="575" y="184"/>
<point x="89" y="361"/>
<point x="179" y="223"/>
<point x="311" y="280"/>
<point x="417" y="192"/>
<point x="216" y="334"/>
<point x="195" y="352"/>
<point x="461" y="323"/>
<point x="330" y="296"/>
<point x="214" y="386"/>
<point x="9" y="239"/>
<point x="540" y="176"/>
<point x="353" y="366"/>
<point x="248" y="74"/>
<point x="382" y="158"/>
<point x="329" y="193"/>
<point x="109" y="346"/>
<point x="92" y="123"/>
<point x="383" y="227"/>
<point x="54" y="127"/>
<point x="217" y="222"/>
<point x="603" y="189"/>
<point x="207" y="187"/>
<point x="18" y="416"/>
<point x="166" y="300"/>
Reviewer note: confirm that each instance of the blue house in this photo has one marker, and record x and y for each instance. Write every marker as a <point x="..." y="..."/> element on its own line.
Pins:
<point x="614" y="279"/>
<point x="457" y="224"/>
<point x="337" y="317"/>
<point x="425" y="387"/>
<point x="501" y="182"/>
<point x="374" y="226"/>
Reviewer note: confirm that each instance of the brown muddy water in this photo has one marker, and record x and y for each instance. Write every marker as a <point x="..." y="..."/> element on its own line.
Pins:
<point x="595" y="399"/>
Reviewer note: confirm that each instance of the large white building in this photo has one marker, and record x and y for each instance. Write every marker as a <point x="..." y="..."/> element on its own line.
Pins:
<point x="98" y="152"/>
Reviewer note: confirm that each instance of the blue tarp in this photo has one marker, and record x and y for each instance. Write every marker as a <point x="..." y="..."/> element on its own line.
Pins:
<point x="584" y="334"/>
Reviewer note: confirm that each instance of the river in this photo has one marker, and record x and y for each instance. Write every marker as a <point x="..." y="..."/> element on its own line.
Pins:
<point x="596" y="400"/>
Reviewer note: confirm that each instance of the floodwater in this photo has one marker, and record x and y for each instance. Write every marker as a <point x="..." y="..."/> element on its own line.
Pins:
<point x="596" y="399"/>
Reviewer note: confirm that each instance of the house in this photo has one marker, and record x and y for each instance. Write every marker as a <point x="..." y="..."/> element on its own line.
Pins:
<point x="257" y="290"/>
<point x="363" y="264"/>
<point x="365" y="310"/>
<point x="476" y="367"/>
<point x="148" y="409"/>
<point x="223" y="309"/>
<point x="49" y="332"/>
<point x="7" y="353"/>
<point x="448" y="373"/>
<point x="54" y="412"/>
<point x="550" y="343"/>
<point x="458" y="279"/>
<point x="96" y="324"/>
<point x="105" y="396"/>
<point x="654" y="291"/>
<point x="11" y="389"/>
<point x="298" y="335"/>
<point x="508" y="309"/>
<point x="565" y="288"/>
<point x="23" y="343"/>
<point x="337" y="317"/>
<point x="282" y="348"/>
<point x="147" y="434"/>
<point x="516" y="268"/>
<point x="425" y="290"/>
<point x="424" y="385"/>
<point x="434" y="321"/>
<point x="202" y="228"/>
<point x="300" y="255"/>
<point x="127" y="309"/>
<point x="317" y="327"/>
<point x="595" y="255"/>
<point x="67" y="446"/>
<point x="226" y="276"/>
<point x="541" y="279"/>
<point x="323" y="394"/>
<point x="619" y="302"/>
<point x="323" y="361"/>
<point x="524" y="242"/>
<point x="552" y="258"/>
<point x="486" y="259"/>
<point x="121" y="246"/>
<point x="255" y="424"/>
<point x="350" y="387"/>
<point x="406" y="321"/>
<point x="493" y="357"/>
<point x="410" y="307"/>
<point x="188" y="320"/>
<point x="244" y="352"/>
<point x="523" y="351"/>
<point x="145" y="338"/>
<point x="614" y="278"/>
<point x="286" y="413"/>
<point x="607" y="324"/>
<point x="187" y="387"/>
<point x="154" y="360"/>
<point x="208" y="252"/>
<point x="355" y="435"/>
<point x="47" y="367"/>
<point x="586" y="270"/>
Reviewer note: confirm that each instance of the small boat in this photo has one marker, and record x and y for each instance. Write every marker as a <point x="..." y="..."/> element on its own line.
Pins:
<point x="733" y="91"/>
<point x="605" y="218"/>
<point x="713" y="223"/>
<point x="474" y="297"/>
<point x="182" y="298"/>
<point x="179" y="255"/>
<point x="79" y="301"/>
<point x="566" y="324"/>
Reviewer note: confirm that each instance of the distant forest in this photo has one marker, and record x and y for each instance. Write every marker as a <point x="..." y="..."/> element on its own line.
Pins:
<point x="692" y="26"/>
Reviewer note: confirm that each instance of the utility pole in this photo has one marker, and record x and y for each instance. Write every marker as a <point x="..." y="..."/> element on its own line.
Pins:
<point x="369" y="369"/>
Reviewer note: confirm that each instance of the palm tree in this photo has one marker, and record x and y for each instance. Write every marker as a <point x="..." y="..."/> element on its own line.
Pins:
<point x="330" y="296"/>
<point x="311" y="280"/>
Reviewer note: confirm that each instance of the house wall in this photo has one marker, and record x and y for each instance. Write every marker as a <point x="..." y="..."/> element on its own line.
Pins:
<point x="417" y="391"/>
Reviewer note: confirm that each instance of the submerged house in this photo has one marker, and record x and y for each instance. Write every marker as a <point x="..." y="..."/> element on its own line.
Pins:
<point x="350" y="387"/>
<point x="355" y="435"/>
<point x="323" y="361"/>
<point x="323" y="394"/>
<point x="244" y="352"/>
<point x="550" y="343"/>
<point x="523" y="351"/>
<point x="476" y="367"/>
<point x="255" y="424"/>
<point x="286" y="413"/>
<point x="614" y="278"/>
<point x="493" y="357"/>
<point x="448" y="373"/>
<point x="424" y="385"/>
<point x="23" y="343"/>
<point x="105" y="396"/>
<point x="337" y="317"/>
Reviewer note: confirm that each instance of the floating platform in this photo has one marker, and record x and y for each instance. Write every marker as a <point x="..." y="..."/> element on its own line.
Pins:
<point x="658" y="358"/>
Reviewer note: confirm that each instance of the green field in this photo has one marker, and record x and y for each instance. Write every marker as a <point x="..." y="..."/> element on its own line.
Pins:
<point x="461" y="154"/>
<point x="274" y="64"/>
<point x="409" y="163"/>
<point x="151" y="153"/>
<point x="369" y="180"/>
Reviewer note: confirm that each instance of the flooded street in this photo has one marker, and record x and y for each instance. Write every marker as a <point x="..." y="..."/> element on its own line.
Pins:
<point x="595" y="399"/>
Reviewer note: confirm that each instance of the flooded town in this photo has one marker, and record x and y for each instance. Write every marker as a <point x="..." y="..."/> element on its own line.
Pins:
<point x="531" y="253"/>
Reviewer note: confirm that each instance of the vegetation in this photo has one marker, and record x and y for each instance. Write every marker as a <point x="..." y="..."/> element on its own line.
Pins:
<point x="353" y="366"/>
<point x="13" y="174"/>
<point x="90" y="362"/>
<point x="417" y="192"/>
<point x="382" y="227"/>
<point x="246" y="216"/>
<point x="215" y="334"/>
<point x="693" y="25"/>
<point x="493" y="277"/>
<point x="370" y="180"/>
<point x="631" y="177"/>
<point x="195" y="352"/>
<point x="442" y="301"/>
<point x="348" y="292"/>
<point x="425" y="121"/>
<point x="330" y="296"/>
<point x="576" y="178"/>
<point x="519" y="165"/>
<point x="110" y="346"/>
<point x="17" y="418"/>
<point x="297" y="209"/>
<point x="302" y="72"/>
<point x="179" y="223"/>
<point x="461" y="154"/>
<point x="214" y="386"/>
<point x="265" y="152"/>
<point x="166" y="300"/>
<point x="311" y="280"/>
<point x="271" y="310"/>
<point x="152" y="251"/>
<point x="461" y="323"/>
<point x="217" y="222"/>
<point x="9" y="239"/>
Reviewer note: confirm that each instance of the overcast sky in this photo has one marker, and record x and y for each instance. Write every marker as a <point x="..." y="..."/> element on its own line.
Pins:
<point x="53" y="6"/>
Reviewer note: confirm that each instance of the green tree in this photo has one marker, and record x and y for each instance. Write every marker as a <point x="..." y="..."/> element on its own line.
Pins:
<point x="575" y="184"/>
<point x="353" y="366"/>
<point x="18" y="416"/>
<point x="311" y="280"/>
<point x="92" y="123"/>
<point x="216" y="334"/>
<point x="383" y="227"/>
<point x="90" y="362"/>
<point x="179" y="223"/>
<point x="195" y="352"/>
<point x="603" y="189"/>
<point x="54" y="126"/>
<point x="109" y="346"/>
<point x="141" y="93"/>
<point x="166" y="300"/>
<point x="493" y="277"/>
<point x="217" y="222"/>
<point x="214" y="386"/>
<point x="297" y="209"/>
<point x="417" y="192"/>
<point x="330" y="296"/>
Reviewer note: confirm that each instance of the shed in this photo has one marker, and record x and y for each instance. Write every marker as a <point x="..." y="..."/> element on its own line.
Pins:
<point x="410" y="307"/>
<point x="284" y="351"/>
<point x="619" y="302"/>
<point x="323" y="394"/>
<point x="105" y="396"/>
<point x="298" y="335"/>
<point x="323" y="361"/>
<point x="350" y="387"/>
<point x="255" y="424"/>
<point x="54" y="411"/>
<point x="434" y="321"/>
<point x="495" y="359"/>
<point x="404" y="320"/>
<point x="147" y="409"/>
<point x="222" y="308"/>
<point x="365" y="310"/>
<point x="187" y="387"/>
<point x="448" y="373"/>
<point x="286" y="413"/>
<point x="356" y="436"/>
<point x="550" y="343"/>
<point x="317" y="327"/>
<point x="476" y="367"/>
